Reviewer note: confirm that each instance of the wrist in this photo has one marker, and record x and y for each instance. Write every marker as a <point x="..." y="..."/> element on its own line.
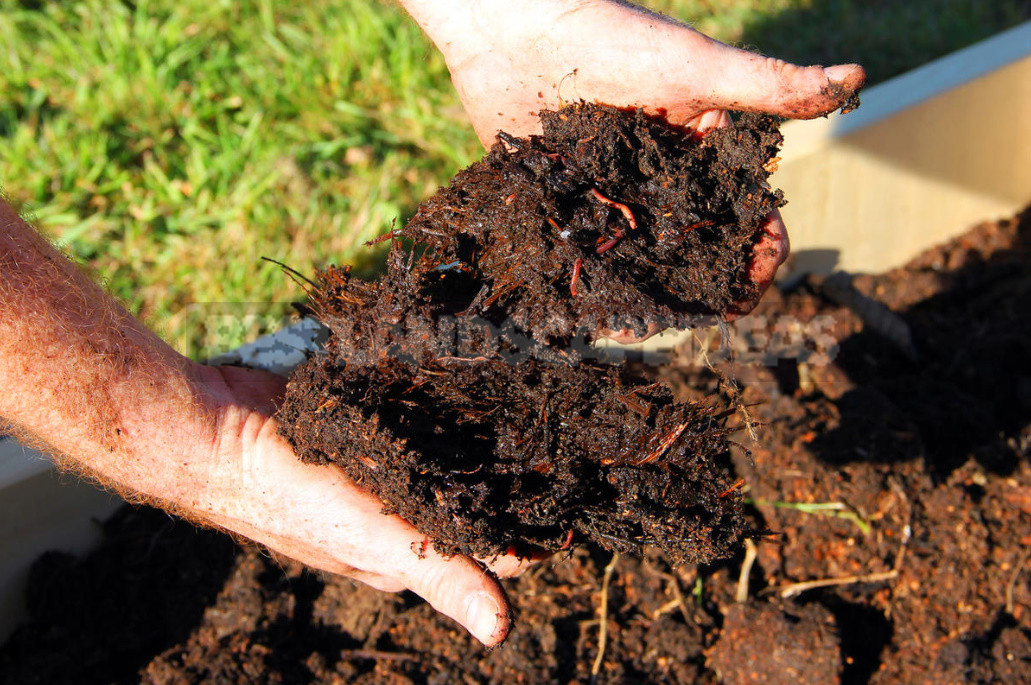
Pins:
<point x="167" y="439"/>
<point x="231" y="448"/>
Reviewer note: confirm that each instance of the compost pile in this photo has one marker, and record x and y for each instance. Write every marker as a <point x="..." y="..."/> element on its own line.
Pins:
<point x="451" y="387"/>
<point x="925" y="459"/>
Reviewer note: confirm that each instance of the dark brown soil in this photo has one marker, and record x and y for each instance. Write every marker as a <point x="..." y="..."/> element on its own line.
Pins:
<point x="939" y="502"/>
<point x="484" y="456"/>
<point x="450" y="389"/>
<point x="610" y="220"/>
<point x="800" y="645"/>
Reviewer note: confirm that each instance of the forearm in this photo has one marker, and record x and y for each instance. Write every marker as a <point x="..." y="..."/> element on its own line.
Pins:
<point x="81" y="375"/>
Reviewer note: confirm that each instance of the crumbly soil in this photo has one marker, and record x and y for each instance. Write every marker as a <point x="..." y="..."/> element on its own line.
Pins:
<point x="486" y="456"/>
<point x="801" y="645"/>
<point x="929" y="458"/>
<point x="449" y="387"/>
<point x="610" y="219"/>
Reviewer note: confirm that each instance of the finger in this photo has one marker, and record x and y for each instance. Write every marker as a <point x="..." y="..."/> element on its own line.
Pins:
<point x="460" y="588"/>
<point x="750" y="82"/>
<point x="626" y="336"/>
<point x="328" y="522"/>
<point x="378" y="581"/>
<point x="769" y="253"/>
<point x="710" y="119"/>
<point x="512" y="565"/>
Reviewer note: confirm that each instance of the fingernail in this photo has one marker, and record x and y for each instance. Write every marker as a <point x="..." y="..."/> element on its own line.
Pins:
<point x="839" y="72"/>
<point x="482" y="616"/>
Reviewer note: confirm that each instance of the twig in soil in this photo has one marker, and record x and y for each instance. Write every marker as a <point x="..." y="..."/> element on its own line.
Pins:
<point x="679" y="596"/>
<point x="722" y="332"/>
<point x="603" y="616"/>
<point x="907" y="534"/>
<point x="665" y="608"/>
<point x="379" y="239"/>
<point x="678" y="600"/>
<point x="631" y="401"/>
<point x="746" y="569"/>
<point x="737" y="484"/>
<point x="702" y="355"/>
<point x="1010" y="586"/>
<point x="907" y="530"/>
<point x="666" y="443"/>
<point x="293" y="273"/>
<point x="793" y="589"/>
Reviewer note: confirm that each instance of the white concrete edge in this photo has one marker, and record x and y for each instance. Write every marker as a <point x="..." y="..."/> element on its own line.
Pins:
<point x="18" y="463"/>
<point x="902" y="92"/>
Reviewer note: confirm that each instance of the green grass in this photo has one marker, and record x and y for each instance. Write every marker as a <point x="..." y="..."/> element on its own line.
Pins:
<point x="173" y="145"/>
<point x="833" y="509"/>
<point x="170" y="144"/>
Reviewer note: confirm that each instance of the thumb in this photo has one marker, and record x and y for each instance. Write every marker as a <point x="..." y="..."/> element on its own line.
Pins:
<point x="746" y="81"/>
<point x="462" y="589"/>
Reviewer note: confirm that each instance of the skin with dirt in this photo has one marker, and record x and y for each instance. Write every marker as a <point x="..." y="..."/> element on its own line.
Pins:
<point x="927" y="458"/>
<point x="449" y="387"/>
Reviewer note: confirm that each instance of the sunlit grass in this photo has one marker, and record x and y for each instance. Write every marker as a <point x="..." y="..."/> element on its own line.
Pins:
<point x="173" y="145"/>
<point x="170" y="145"/>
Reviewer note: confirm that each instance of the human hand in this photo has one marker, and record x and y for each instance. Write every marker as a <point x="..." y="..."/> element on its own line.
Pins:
<point x="509" y="59"/>
<point x="90" y="384"/>
<point x="258" y="488"/>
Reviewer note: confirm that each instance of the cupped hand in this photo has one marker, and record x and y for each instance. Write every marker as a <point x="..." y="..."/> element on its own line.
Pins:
<point x="509" y="60"/>
<point x="258" y="488"/>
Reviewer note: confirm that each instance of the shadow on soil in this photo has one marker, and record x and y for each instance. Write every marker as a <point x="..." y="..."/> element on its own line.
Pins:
<point x="968" y="392"/>
<point x="89" y="625"/>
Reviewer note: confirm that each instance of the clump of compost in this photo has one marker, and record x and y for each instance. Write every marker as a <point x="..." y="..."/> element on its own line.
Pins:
<point x="449" y="389"/>
<point x="610" y="219"/>
<point x="487" y="456"/>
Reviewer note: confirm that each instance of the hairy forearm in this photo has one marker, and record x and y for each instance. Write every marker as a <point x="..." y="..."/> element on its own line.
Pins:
<point x="81" y="376"/>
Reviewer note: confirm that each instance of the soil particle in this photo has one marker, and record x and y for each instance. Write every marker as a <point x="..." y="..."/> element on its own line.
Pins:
<point x="799" y="645"/>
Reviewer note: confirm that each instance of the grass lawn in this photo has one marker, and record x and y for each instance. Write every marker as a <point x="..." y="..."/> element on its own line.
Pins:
<point x="170" y="145"/>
